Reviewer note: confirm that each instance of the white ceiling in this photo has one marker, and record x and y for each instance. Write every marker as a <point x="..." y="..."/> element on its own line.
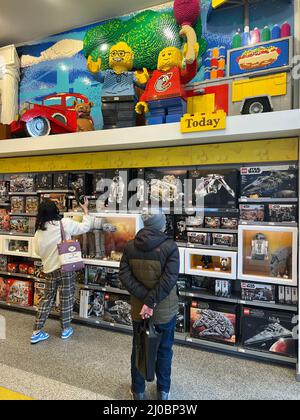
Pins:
<point x="29" y="20"/>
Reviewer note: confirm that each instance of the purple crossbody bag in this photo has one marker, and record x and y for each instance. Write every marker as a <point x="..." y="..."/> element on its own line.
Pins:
<point x="70" y="254"/>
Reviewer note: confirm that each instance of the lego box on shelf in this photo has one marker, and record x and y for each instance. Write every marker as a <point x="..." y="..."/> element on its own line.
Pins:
<point x="269" y="181"/>
<point x="181" y="319"/>
<point x="44" y="181"/>
<point x="215" y="188"/>
<point x="213" y="321"/>
<point x="4" y="220"/>
<point x="3" y="289"/>
<point x="20" y="292"/>
<point x="4" y="190"/>
<point x="269" y="331"/>
<point x="268" y="254"/>
<point x="283" y="213"/>
<point x="22" y="183"/>
<point x="257" y="292"/>
<point x="117" y="309"/>
<point x="166" y="185"/>
<point x="252" y="213"/>
<point x="17" y="204"/>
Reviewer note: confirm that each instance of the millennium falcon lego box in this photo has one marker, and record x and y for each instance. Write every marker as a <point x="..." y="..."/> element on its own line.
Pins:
<point x="214" y="189"/>
<point x="117" y="309"/>
<point x="279" y="181"/>
<point x="166" y="186"/>
<point x="20" y="292"/>
<point x="3" y="289"/>
<point x="269" y="331"/>
<point x="213" y="321"/>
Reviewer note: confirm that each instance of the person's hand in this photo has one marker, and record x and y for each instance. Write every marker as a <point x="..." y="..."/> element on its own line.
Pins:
<point x="142" y="76"/>
<point x="146" y="312"/>
<point x="94" y="66"/>
<point x="141" y="107"/>
<point x="85" y="206"/>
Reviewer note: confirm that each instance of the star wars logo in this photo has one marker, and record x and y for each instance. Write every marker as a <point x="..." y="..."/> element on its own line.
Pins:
<point x="250" y="171"/>
<point x="163" y="83"/>
<point x="2" y="328"/>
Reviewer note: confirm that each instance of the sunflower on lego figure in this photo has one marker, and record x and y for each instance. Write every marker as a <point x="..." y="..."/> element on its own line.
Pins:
<point x="119" y="82"/>
<point x="164" y="98"/>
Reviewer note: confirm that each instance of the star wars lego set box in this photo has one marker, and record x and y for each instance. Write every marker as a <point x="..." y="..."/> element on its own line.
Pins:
<point x="224" y="240"/>
<point x="4" y="191"/>
<point x="117" y="191"/>
<point x="96" y="304"/>
<point x="20" y="292"/>
<point x="283" y="213"/>
<point x="117" y="309"/>
<point x="44" y="181"/>
<point x="214" y="189"/>
<point x="257" y="292"/>
<point x="22" y="183"/>
<point x="62" y="181"/>
<point x="252" y="213"/>
<point x="181" y="319"/>
<point x="213" y="321"/>
<point x="269" y="331"/>
<point x="279" y="181"/>
<point x="3" y="289"/>
<point x="103" y="276"/>
<point x="166" y="186"/>
<point x="184" y="224"/>
<point x="199" y="239"/>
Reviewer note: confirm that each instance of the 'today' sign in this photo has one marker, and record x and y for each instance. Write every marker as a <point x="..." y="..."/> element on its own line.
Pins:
<point x="191" y="123"/>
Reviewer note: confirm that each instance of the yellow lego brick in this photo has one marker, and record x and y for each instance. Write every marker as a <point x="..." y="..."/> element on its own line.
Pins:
<point x="191" y="123"/>
<point x="190" y="105"/>
<point x="204" y="104"/>
<point x="274" y="85"/>
<point x="218" y="3"/>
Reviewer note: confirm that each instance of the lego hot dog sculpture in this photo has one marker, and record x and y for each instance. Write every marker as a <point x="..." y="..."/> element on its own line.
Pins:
<point x="186" y="13"/>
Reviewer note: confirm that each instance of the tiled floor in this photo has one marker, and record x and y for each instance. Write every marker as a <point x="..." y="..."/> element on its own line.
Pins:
<point x="94" y="364"/>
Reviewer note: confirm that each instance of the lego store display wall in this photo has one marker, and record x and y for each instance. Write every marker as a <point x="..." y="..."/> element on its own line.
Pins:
<point x="196" y="69"/>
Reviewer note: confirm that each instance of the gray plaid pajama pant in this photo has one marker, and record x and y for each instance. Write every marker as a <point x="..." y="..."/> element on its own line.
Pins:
<point x="65" y="283"/>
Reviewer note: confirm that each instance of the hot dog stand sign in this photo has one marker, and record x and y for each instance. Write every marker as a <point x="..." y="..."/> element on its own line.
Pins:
<point x="261" y="57"/>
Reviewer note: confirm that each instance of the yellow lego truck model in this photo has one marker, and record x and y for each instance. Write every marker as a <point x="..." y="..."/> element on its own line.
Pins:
<point x="259" y="79"/>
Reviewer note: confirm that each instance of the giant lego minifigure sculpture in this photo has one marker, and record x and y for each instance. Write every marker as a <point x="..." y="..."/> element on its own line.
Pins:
<point x="118" y="91"/>
<point x="164" y="97"/>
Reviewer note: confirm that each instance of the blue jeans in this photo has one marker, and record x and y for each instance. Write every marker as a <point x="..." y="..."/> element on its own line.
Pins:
<point x="164" y="359"/>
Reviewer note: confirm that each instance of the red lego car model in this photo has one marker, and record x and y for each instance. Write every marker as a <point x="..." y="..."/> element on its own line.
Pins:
<point x="56" y="115"/>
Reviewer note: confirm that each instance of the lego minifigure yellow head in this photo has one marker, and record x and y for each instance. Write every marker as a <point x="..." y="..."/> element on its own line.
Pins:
<point x="168" y="58"/>
<point x="121" y="57"/>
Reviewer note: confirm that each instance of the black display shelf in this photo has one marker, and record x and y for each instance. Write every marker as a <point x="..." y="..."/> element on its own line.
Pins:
<point x="268" y="200"/>
<point x="283" y="224"/>
<point x="55" y="192"/>
<point x="220" y="248"/>
<point x="106" y="289"/>
<point x="19" y="275"/>
<point x="191" y="293"/>
<point x="212" y="230"/>
<point x="23" y="214"/>
<point x="22" y="193"/>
